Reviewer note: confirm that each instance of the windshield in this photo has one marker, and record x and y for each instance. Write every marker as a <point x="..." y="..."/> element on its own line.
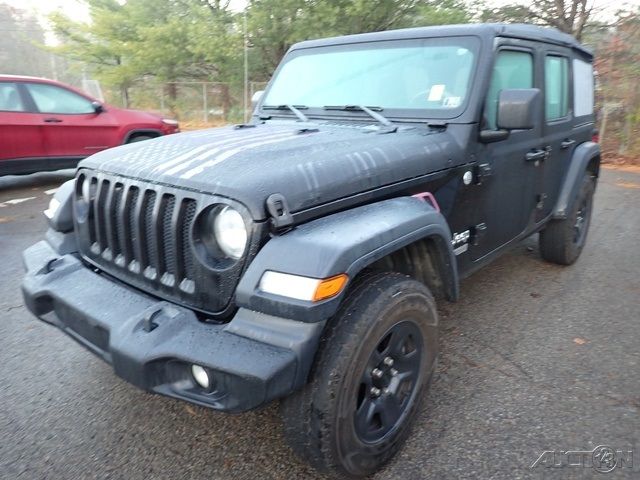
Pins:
<point x="403" y="75"/>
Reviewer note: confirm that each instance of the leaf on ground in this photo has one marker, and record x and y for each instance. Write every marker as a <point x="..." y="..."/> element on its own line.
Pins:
<point x="579" y="341"/>
<point x="628" y="184"/>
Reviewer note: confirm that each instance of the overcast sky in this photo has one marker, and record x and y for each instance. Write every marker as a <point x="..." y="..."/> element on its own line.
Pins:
<point x="77" y="10"/>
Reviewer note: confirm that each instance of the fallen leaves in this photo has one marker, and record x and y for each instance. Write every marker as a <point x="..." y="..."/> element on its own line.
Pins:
<point x="627" y="184"/>
<point x="580" y="341"/>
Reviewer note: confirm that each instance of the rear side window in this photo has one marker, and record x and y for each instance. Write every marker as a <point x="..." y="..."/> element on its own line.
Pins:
<point x="10" y="100"/>
<point x="583" y="86"/>
<point x="513" y="69"/>
<point x="556" y="80"/>
<point x="52" y="99"/>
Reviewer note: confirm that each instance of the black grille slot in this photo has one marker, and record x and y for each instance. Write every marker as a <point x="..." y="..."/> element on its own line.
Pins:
<point x="93" y="185"/>
<point x="189" y="214"/>
<point x="116" y="227"/>
<point x="147" y="230"/>
<point x="100" y="209"/>
<point x="126" y="217"/>
<point x="168" y="236"/>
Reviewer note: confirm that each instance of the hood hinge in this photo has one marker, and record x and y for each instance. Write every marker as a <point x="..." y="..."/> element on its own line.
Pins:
<point x="278" y="209"/>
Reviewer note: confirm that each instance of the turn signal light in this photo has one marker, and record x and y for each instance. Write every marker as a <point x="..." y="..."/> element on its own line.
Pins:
<point x="330" y="287"/>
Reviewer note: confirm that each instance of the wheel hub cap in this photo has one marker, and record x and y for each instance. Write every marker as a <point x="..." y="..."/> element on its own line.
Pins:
<point x="388" y="382"/>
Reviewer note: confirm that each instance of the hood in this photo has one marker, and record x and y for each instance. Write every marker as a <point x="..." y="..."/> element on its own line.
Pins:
<point x="308" y="164"/>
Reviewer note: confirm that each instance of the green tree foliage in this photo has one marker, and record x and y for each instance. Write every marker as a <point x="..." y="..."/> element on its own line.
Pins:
<point x="172" y="40"/>
<point x="102" y="45"/>
<point x="274" y="25"/>
<point x="169" y="40"/>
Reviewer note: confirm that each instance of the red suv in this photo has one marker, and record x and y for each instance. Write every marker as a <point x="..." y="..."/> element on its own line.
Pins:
<point x="45" y="125"/>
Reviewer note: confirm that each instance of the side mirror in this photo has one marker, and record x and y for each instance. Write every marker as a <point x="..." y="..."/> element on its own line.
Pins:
<point x="97" y="107"/>
<point x="256" y="98"/>
<point x="518" y="109"/>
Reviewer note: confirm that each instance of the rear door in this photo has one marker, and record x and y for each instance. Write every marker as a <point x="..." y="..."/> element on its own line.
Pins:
<point x="558" y="122"/>
<point x="506" y="202"/>
<point x="71" y="126"/>
<point x="20" y="132"/>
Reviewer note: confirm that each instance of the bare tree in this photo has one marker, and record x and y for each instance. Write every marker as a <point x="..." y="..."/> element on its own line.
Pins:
<point x="569" y="16"/>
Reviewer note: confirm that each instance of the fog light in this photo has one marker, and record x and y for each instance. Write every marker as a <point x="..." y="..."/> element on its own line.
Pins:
<point x="201" y="376"/>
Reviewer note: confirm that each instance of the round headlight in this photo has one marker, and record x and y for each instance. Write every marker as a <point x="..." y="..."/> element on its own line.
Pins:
<point x="230" y="232"/>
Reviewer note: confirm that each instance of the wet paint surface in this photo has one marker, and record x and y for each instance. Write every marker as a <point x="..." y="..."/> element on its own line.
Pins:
<point x="308" y="166"/>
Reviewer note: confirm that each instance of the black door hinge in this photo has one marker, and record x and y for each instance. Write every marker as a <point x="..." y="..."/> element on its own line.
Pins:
<point x="482" y="171"/>
<point x="278" y="209"/>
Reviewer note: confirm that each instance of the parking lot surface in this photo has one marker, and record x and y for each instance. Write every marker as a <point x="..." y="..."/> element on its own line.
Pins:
<point x="534" y="357"/>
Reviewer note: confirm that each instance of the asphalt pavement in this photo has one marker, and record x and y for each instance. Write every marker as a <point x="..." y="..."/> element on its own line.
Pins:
<point x="534" y="358"/>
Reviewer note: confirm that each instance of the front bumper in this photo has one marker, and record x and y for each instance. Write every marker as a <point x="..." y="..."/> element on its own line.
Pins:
<point x="252" y="360"/>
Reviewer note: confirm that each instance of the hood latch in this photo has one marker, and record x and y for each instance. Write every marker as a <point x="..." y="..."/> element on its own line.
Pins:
<point x="278" y="209"/>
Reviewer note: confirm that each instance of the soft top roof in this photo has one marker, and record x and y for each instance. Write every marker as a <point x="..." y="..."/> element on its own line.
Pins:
<point x="516" y="30"/>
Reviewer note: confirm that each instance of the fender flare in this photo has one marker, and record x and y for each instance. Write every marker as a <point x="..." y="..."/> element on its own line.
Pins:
<point x="582" y="156"/>
<point x="138" y="131"/>
<point x="345" y="242"/>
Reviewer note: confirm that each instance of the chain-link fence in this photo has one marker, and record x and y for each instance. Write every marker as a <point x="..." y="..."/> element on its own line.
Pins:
<point x="194" y="103"/>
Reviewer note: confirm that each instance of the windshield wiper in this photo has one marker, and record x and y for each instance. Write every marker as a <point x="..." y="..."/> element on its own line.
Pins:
<point x="371" y="111"/>
<point x="293" y="108"/>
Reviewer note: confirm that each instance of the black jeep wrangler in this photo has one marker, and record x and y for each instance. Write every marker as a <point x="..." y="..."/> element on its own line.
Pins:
<point x="299" y="257"/>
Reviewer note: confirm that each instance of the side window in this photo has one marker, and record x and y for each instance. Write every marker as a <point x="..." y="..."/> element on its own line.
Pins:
<point x="52" y="99"/>
<point x="10" y="100"/>
<point x="513" y="69"/>
<point x="583" y="87"/>
<point x="556" y="83"/>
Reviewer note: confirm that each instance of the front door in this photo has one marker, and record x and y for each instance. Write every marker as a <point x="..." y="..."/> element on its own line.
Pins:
<point x="20" y="129"/>
<point x="507" y="201"/>
<point x="70" y="124"/>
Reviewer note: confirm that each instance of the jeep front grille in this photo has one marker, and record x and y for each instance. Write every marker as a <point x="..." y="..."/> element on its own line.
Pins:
<point x="141" y="233"/>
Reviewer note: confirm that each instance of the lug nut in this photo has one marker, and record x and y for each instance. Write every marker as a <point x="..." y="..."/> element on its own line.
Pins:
<point x="375" y="392"/>
<point x="394" y="372"/>
<point x="388" y="361"/>
<point x="377" y="373"/>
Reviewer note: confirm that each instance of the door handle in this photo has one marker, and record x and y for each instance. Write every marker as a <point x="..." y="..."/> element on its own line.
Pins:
<point x="536" y="155"/>
<point x="567" y="142"/>
<point x="52" y="120"/>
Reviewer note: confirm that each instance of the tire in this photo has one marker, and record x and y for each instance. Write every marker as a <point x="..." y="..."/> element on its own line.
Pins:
<point x="386" y="315"/>
<point x="140" y="138"/>
<point x="562" y="241"/>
